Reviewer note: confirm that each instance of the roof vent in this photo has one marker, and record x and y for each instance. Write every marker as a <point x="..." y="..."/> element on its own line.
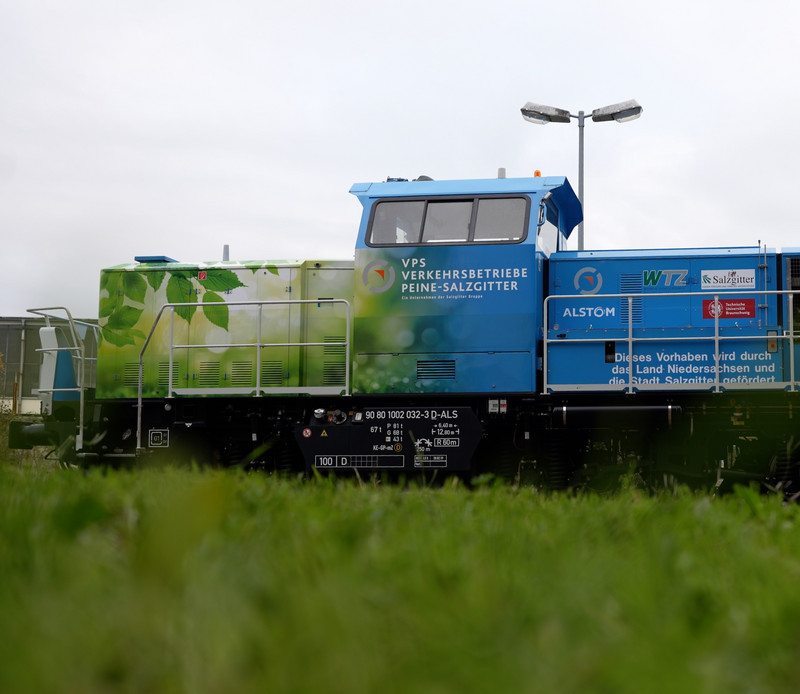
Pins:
<point x="154" y="259"/>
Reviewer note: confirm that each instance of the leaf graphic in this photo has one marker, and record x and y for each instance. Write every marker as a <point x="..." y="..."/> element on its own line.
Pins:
<point x="185" y="312"/>
<point x="110" y="304"/>
<point x="123" y="318"/>
<point x="215" y="309"/>
<point x="116" y="338"/>
<point x="221" y="280"/>
<point x="134" y="286"/>
<point x="155" y="278"/>
<point x="181" y="291"/>
<point x="109" y="280"/>
<point x="272" y="269"/>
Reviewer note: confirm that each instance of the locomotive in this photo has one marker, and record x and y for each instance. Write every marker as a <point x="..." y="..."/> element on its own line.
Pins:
<point x="462" y="338"/>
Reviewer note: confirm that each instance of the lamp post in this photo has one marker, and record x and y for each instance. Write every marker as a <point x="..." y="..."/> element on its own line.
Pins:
<point x="621" y="112"/>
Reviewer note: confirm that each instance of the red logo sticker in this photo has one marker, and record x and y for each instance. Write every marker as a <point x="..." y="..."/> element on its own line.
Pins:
<point x="729" y="308"/>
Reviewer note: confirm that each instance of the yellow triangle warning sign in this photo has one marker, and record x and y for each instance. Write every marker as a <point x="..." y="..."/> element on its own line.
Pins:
<point x="324" y="433"/>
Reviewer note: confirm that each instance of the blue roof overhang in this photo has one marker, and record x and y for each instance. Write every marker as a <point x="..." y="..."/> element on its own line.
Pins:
<point x="561" y="193"/>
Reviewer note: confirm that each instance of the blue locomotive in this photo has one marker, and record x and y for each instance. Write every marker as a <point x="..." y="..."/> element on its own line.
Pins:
<point x="461" y="338"/>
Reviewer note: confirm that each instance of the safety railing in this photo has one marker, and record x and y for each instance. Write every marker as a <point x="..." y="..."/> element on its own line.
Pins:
<point x="259" y="389"/>
<point x="697" y="334"/>
<point x="83" y="364"/>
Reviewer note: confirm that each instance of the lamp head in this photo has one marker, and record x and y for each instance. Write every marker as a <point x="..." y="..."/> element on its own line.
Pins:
<point x="622" y="112"/>
<point x="539" y="113"/>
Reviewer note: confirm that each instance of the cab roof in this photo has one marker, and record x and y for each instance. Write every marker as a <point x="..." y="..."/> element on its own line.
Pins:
<point x="537" y="187"/>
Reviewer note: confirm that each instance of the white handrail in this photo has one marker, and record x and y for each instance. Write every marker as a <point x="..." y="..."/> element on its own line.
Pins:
<point x="82" y="358"/>
<point x="632" y="339"/>
<point x="257" y="345"/>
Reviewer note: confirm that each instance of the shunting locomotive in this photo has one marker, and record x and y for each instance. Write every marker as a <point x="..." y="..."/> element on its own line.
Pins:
<point x="462" y="337"/>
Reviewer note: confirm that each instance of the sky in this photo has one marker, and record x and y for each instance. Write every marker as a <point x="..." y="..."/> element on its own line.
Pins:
<point x="172" y="127"/>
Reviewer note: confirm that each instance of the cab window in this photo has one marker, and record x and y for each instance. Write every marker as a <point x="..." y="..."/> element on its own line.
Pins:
<point x="447" y="222"/>
<point x="396" y="223"/>
<point x="501" y="219"/>
<point x="548" y="230"/>
<point x="462" y="220"/>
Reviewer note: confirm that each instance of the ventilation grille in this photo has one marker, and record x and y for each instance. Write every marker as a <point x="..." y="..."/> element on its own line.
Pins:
<point x="630" y="284"/>
<point x="130" y="375"/>
<point x="333" y="373"/>
<point x="271" y="373"/>
<point x="333" y="350"/>
<point x="334" y="370"/>
<point x="242" y="374"/>
<point x="794" y="273"/>
<point x="208" y="374"/>
<point x="163" y="373"/>
<point x="444" y="369"/>
<point x="793" y="282"/>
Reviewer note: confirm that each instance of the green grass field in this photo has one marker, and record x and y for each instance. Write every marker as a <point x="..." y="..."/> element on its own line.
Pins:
<point x="186" y="581"/>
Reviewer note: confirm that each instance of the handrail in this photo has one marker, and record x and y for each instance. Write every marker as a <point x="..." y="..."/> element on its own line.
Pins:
<point x="632" y="340"/>
<point x="82" y="358"/>
<point x="258" y="345"/>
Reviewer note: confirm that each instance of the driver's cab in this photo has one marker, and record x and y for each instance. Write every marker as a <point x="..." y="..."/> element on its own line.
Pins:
<point x="449" y="282"/>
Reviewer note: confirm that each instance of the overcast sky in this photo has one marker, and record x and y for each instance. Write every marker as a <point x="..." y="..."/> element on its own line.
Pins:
<point x="174" y="127"/>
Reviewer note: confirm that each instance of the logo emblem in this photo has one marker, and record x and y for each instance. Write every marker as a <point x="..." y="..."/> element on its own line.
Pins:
<point x="588" y="280"/>
<point x="378" y="276"/>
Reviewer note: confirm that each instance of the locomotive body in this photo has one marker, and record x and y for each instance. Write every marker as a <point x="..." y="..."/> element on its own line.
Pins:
<point x="686" y="319"/>
<point x="461" y="338"/>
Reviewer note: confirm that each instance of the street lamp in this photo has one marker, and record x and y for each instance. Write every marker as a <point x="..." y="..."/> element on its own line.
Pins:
<point x="622" y="113"/>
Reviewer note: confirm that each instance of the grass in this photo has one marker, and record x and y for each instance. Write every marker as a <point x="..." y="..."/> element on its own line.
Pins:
<point x="181" y="581"/>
